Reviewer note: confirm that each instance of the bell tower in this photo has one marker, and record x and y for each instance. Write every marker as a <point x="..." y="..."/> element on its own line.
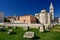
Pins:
<point x="52" y="11"/>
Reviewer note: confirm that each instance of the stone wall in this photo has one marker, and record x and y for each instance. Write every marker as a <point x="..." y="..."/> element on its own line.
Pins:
<point x="23" y="25"/>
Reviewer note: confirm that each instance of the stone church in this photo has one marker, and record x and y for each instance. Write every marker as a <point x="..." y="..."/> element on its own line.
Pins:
<point x="45" y="17"/>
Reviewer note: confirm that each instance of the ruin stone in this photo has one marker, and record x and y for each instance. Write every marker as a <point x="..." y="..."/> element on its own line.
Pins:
<point x="15" y="27"/>
<point x="42" y="28"/>
<point x="29" y="35"/>
<point x="10" y="31"/>
<point x="26" y="28"/>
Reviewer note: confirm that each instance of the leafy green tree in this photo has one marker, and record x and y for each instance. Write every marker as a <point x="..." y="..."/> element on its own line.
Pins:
<point x="5" y="19"/>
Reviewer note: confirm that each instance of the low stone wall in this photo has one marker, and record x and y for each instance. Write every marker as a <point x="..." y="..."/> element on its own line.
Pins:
<point x="41" y="27"/>
<point x="1" y="23"/>
<point x="23" y="25"/>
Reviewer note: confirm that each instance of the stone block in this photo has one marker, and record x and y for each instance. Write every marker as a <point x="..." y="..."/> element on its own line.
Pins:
<point x="10" y="31"/>
<point x="15" y="27"/>
<point x="42" y="28"/>
<point x="29" y="35"/>
<point x="26" y="28"/>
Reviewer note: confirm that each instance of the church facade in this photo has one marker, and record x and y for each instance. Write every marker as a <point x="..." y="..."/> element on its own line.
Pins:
<point x="45" y="17"/>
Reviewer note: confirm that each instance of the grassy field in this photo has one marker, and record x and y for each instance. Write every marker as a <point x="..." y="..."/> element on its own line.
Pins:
<point x="48" y="35"/>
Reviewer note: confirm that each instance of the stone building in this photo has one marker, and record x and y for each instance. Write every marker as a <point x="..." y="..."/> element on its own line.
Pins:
<point x="10" y="18"/>
<point x="22" y="19"/>
<point x="13" y="19"/>
<point x="51" y="11"/>
<point x="46" y="17"/>
<point x="27" y="19"/>
<point x="43" y="17"/>
<point x="59" y="20"/>
<point x="37" y="15"/>
<point x="49" y="18"/>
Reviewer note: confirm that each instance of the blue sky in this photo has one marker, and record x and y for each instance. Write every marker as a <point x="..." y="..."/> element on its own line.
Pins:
<point x="23" y="7"/>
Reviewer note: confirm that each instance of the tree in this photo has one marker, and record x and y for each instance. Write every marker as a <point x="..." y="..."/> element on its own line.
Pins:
<point x="5" y="19"/>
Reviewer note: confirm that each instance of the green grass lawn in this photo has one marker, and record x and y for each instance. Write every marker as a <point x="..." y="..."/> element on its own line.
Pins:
<point x="48" y="35"/>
